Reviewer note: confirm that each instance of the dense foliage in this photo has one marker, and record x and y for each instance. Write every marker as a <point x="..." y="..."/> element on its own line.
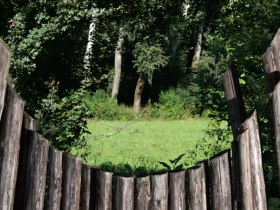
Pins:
<point x="49" y="40"/>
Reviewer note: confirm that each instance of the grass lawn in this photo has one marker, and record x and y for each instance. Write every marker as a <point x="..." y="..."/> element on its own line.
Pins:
<point x="138" y="146"/>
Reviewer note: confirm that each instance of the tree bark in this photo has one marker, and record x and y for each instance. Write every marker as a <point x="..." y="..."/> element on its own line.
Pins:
<point x="138" y="93"/>
<point x="198" y="48"/>
<point x="118" y="65"/>
<point x="88" y="53"/>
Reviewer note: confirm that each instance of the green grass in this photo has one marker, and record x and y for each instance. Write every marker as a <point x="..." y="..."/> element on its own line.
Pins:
<point x="138" y="146"/>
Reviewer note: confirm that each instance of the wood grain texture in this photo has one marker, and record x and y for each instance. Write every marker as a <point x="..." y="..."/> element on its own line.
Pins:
<point x="71" y="182"/>
<point x="177" y="192"/>
<point x="54" y="180"/>
<point x="271" y="63"/>
<point x="86" y="193"/>
<point x="220" y="182"/>
<point x="10" y="132"/>
<point x="257" y="176"/>
<point x="103" y="190"/>
<point x="143" y="193"/>
<point x="36" y="172"/>
<point x="245" y="170"/>
<point x="123" y="193"/>
<point x="28" y="122"/>
<point x="197" y="199"/>
<point x="159" y="189"/>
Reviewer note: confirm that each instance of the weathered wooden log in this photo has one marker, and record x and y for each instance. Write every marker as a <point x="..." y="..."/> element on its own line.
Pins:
<point x="196" y="196"/>
<point x="85" y="199"/>
<point x="10" y="131"/>
<point x="143" y="193"/>
<point x="103" y="190"/>
<point x="21" y="185"/>
<point x="245" y="170"/>
<point x="235" y="103"/>
<point x="36" y="172"/>
<point x="159" y="189"/>
<point x="123" y="193"/>
<point x="271" y="63"/>
<point x="5" y="59"/>
<point x="177" y="191"/>
<point x="237" y="116"/>
<point x="54" y="180"/>
<point x="220" y="182"/>
<point x="28" y="122"/>
<point x="71" y="182"/>
<point x="257" y="177"/>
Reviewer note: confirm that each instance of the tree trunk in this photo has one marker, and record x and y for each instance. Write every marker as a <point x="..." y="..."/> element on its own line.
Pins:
<point x="118" y="65"/>
<point x="88" y="53"/>
<point x="138" y="93"/>
<point x="197" y="50"/>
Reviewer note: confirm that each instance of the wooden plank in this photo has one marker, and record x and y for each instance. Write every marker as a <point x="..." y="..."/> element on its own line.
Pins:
<point x="10" y="131"/>
<point x="36" y="172"/>
<point x="86" y="188"/>
<point x="245" y="170"/>
<point x="5" y="59"/>
<point x="159" y="189"/>
<point x="143" y="193"/>
<point x="71" y="182"/>
<point x="103" y="190"/>
<point x="197" y="188"/>
<point x="123" y="193"/>
<point x="257" y="177"/>
<point x="220" y="182"/>
<point x="177" y="191"/>
<point x="54" y="180"/>
<point x="28" y="122"/>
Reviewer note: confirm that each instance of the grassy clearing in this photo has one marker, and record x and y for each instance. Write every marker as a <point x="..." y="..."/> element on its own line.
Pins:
<point x="138" y="146"/>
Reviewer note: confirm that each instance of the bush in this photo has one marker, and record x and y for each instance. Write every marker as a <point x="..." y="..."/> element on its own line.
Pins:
<point x="63" y="120"/>
<point x="101" y="106"/>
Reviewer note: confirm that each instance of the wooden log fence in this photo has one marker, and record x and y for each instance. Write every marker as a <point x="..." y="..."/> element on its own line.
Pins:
<point x="34" y="175"/>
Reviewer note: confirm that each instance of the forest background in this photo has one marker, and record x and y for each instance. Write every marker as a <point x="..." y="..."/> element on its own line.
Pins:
<point x="145" y="59"/>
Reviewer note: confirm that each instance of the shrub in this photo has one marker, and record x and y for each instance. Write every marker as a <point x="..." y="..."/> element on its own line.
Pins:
<point x="63" y="121"/>
<point x="101" y="106"/>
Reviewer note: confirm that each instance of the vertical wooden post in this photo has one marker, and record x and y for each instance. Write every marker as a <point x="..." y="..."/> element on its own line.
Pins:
<point x="86" y="188"/>
<point x="28" y="122"/>
<point x="271" y="63"/>
<point x="237" y="115"/>
<point x="177" y="191"/>
<point x="123" y="193"/>
<point x="159" y="186"/>
<point x="5" y="59"/>
<point x="54" y="180"/>
<point x="143" y="193"/>
<point x="36" y="172"/>
<point x="71" y="182"/>
<point x="103" y="190"/>
<point x="236" y="108"/>
<point x="10" y="131"/>
<point x="197" y="188"/>
<point x="256" y="167"/>
<point x="245" y="170"/>
<point x="220" y="182"/>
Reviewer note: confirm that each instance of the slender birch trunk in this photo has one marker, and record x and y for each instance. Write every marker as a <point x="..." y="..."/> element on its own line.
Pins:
<point x="88" y="54"/>
<point x="198" y="48"/>
<point x="118" y="65"/>
<point x="138" y="93"/>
